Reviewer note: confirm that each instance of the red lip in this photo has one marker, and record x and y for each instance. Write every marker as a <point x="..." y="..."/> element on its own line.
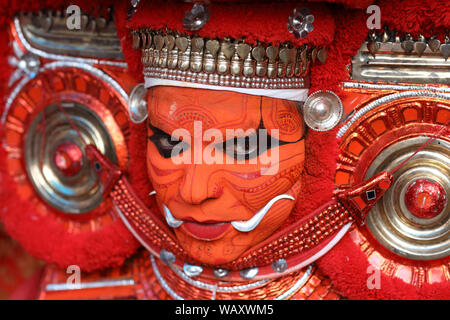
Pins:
<point x="206" y="231"/>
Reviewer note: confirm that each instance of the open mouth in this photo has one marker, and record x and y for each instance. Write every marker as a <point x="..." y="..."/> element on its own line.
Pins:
<point x="213" y="230"/>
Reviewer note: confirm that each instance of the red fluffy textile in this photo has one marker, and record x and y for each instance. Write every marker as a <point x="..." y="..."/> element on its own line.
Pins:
<point x="137" y="170"/>
<point x="254" y="21"/>
<point x="46" y="238"/>
<point x="346" y="264"/>
<point x="350" y="31"/>
<point x="342" y="30"/>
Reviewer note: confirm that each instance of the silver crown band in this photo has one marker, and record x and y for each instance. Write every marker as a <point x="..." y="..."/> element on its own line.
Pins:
<point x="227" y="62"/>
<point x="226" y="80"/>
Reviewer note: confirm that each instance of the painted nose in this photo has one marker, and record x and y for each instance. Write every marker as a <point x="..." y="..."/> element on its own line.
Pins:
<point x="196" y="186"/>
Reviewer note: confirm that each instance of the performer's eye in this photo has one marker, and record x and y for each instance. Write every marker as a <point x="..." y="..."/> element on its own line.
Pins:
<point x="167" y="145"/>
<point x="243" y="147"/>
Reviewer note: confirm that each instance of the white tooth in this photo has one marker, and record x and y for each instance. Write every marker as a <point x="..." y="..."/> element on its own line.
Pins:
<point x="249" y="225"/>
<point x="171" y="221"/>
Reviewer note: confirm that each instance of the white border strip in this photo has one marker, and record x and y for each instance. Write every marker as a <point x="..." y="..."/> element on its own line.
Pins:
<point x="297" y="285"/>
<point x="162" y="282"/>
<point x="89" y="285"/>
<point x="133" y="231"/>
<point x="298" y="95"/>
<point x="386" y="99"/>
<point x="360" y="85"/>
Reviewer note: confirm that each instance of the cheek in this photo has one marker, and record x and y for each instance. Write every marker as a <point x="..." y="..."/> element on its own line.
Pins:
<point x="255" y="193"/>
<point x="164" y="175"/>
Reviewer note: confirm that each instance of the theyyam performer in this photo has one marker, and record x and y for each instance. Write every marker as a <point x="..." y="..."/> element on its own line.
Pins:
<point x="229" y="149"/>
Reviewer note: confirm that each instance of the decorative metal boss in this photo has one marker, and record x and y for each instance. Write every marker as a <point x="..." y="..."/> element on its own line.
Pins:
<point x="138" y="104"/>
<point x="196" y="18"/>
<point x="300" y="22"/>
<point x="322" y="110"/>
<point x="132" y="9"/>
<point x="26" y="64"/>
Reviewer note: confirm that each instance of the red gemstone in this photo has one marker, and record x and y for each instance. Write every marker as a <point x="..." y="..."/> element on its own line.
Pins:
<point x="425" y="199"/>
<point x="68" y="158"/>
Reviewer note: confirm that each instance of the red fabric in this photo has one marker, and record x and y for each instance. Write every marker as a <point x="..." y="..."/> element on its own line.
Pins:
<point x="30" y="289"/>
<point x="417" y="16"/>
<point x="265" y="22"/>
<point x="253" y="24"/>
<point x="341" y="30"/>
<point x="346" y="264"/>
<point x="137" y="169"/>
<point x="319" y="171"/>
<point x="46" y="237"/>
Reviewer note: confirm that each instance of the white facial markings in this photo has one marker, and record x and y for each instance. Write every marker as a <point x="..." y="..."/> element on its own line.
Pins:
<point x="249" y="225"/>
<point x="242" y="225"/>
<point x="171" y="221"/>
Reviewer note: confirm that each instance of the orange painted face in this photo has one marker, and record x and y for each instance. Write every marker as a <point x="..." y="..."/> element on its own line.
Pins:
<point x="230" y="177"/>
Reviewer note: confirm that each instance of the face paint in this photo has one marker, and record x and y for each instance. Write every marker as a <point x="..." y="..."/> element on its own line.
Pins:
<point x="223" y="193"/>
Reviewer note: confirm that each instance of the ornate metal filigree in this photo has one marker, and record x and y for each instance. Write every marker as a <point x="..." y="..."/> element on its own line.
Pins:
<point x="196" y="18"/>
<point x="132" y="9"/>
<point x="300" y="22"/>
<point x="389" y="55"/>
<point x="225" y="62"/>
<point x="26" y="64"/>
<point x="48" y="32"/>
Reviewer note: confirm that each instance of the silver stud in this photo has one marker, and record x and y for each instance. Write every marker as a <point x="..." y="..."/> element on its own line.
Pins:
<point x="138" y="104"/>
<point x="26" y="65"/>
<point x="168" y="258"/>
<point x="434" y="44"/>
<point x="249" y="273"/>
<point x="445" y="48"/>
<point x="300" y="22"/>
<point x="322" y="110"/>
<point x="220" y="272"/>
<point x="192" y="270"/>
<point x="132" y="9"/>
<point x="408" y="44"/>
<point x="196" y="18"/>
<point x="279" y="265"/>
<point x="420" y="45"/>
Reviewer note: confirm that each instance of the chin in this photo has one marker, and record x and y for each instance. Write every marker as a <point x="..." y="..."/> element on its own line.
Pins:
<point x="227" y="248"/>
<point x="215" y="252"/>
